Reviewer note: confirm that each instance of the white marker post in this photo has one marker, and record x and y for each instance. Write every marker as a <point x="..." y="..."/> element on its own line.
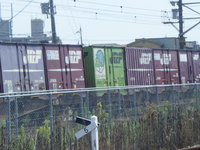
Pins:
<point x="94" y="134"/>
<point x="92" y="126"/>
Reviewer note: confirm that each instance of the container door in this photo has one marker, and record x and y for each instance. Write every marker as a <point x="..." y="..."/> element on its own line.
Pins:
<point x="100" y="67"/>
<point x="139" y="64"/>
<point x="196" y="66"/>
<point x="165" y="61"/>
<point x="115" y="66"/>
<point x="54" y="68"/>
<point x="186" y="68"/>
<point x="166" y="66"/>
<point x="173" y="67"/>
<point x="109" y="67"/>
<point x="191" y="69"/>
<point x="66" y="65"/>
<point x="35" y="63"/>
<point x="23" y="67"/>
<point x="161" y="62"/>
<point x="65" y="71"/>
<point x="74" y="61"/>
<point x="10" y="69"/>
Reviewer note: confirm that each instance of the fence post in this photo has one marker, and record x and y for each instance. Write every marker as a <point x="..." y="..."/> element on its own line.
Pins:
<point x="110" y="113"/>
<point x="135" y="105"/>
<point x="16" y="116"/>
<point x="157" y="95"/>
<point x="147" y="94"/>
<point x="173" y="107"/>
<point x="196" y="96"/>
<point x="119" y="103"/>
<point x="82" y="105"/>
<point x="110" y="106"/>
<point x="51" y="120"/>
<point x="9" y="122"/>
<point x="87" y="104"/>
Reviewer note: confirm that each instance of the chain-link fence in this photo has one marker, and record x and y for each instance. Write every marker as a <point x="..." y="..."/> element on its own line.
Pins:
<point x="131" y="118"/>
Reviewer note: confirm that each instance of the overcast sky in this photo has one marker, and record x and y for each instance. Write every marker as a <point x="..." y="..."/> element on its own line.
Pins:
<point x="105" y="21"/>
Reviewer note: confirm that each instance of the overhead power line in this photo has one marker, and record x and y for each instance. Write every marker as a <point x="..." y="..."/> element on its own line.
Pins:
<point x="21" y="10"/>
<point x="116" y="6"/>
<point x="100" y="4"/>
<point x="101" y="16"/>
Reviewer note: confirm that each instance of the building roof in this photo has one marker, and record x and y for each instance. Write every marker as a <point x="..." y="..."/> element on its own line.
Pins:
<point x="144" y="43"/>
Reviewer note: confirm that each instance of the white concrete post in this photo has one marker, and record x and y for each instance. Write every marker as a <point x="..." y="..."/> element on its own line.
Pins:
<point x="94" y="134"/>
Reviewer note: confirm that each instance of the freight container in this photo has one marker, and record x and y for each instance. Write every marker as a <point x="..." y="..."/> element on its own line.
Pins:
<point x="72" y="61"/>
<point x="22" y="67"/>
<point x="166" y="66"/>
<point x="53" y="67"/>
<point x="139" y="66"/>
<point x="186" y="66"/>
<point x="196" y="65"/>
<point x="64" y="66"/>
<point x="104" y="66"/>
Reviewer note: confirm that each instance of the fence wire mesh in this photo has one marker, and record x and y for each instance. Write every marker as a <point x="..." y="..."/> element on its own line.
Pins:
<point x="131" y="118"/>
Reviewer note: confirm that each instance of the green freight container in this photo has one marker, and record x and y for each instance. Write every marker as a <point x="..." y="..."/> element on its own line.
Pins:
<point x="104" y="66"/>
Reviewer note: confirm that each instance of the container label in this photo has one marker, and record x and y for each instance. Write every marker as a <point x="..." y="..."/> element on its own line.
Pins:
<point x="33" y="56"/>
<point x="157" y="56"/>
<point x="145" y="58"/>
<point x="99" y="63"/>
<point x="165" y="60"/>
<point x="196" y="57"/>
<point x="116" y="57"/>
<point x="52" y="55"/>
<point x="183" y="57"/>
<point x="73" y="58"/>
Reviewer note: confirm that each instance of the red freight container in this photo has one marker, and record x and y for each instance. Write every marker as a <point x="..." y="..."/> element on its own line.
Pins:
<point x="166" y="66"/>
<point x="10" y="68"/>
<point x="186" y="68"/>
<point x="73" y="64"/>
<point x="64" y="66"/>
<point x="196" y="66"/>
<point x="54" y="69"/>
<point x="139" y="64"/>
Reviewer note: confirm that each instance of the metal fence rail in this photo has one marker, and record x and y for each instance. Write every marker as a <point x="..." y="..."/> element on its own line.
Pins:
<point x="45" y="120"/>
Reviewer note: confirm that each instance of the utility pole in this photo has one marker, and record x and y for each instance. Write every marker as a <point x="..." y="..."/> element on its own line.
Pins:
<point x="81" y="36"/>
<point x="53" y="27"/>
<point x="181" y="37"/>
<point x="11" y="23"/>
<point x="0" y="12"/>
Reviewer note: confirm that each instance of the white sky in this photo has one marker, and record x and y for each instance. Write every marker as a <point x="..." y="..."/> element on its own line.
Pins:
<point x="105" y="21"/>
